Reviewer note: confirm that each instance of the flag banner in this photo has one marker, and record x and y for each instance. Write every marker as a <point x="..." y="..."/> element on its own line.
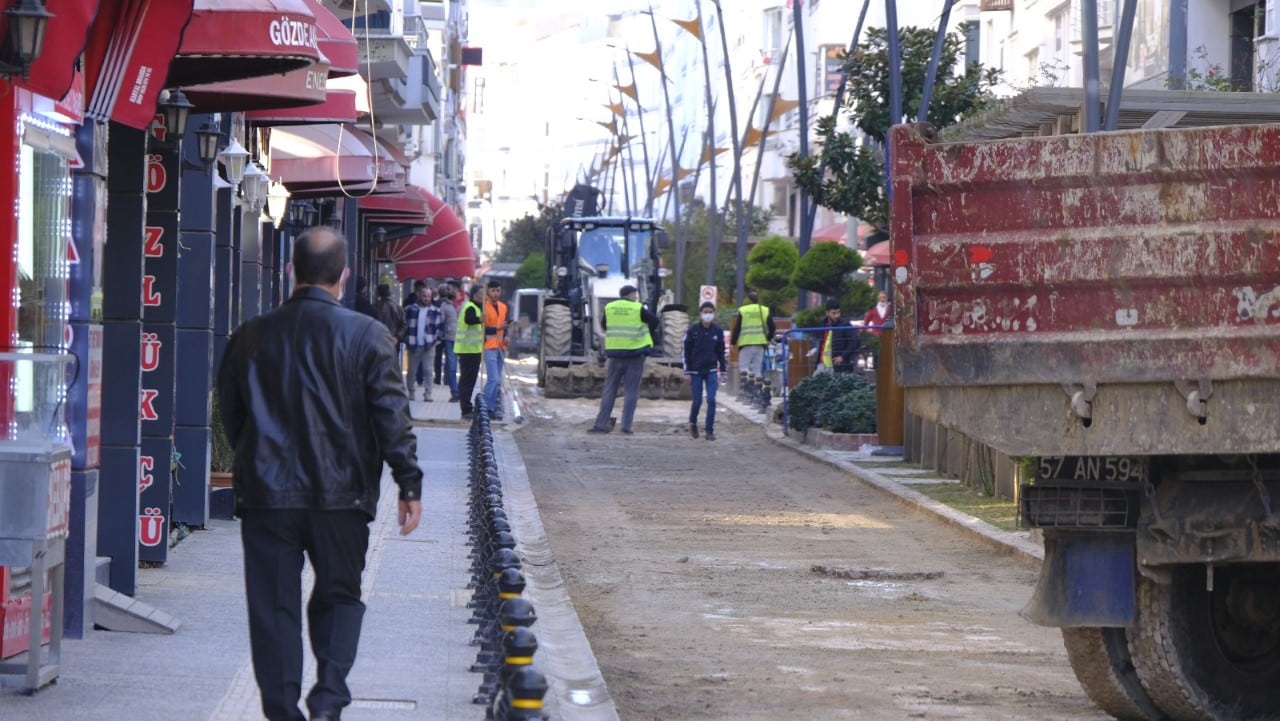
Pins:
<point x="654" y="58"/>
<point x="694" y="26"/>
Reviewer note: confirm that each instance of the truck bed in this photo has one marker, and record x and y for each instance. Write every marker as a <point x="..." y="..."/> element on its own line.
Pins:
<point x="1138" y="272"/>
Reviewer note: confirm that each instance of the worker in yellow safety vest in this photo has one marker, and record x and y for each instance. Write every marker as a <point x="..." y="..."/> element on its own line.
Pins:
<point x="629" y="328"/>
<point x="752" y="329"/>
<point x="468" y="345"/>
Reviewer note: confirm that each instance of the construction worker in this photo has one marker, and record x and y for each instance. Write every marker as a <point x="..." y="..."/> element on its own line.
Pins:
<point x="497" y="317"/>
<point x="468" y="345"/>
<point x="629" y="328"/>
<point x="752" y="329"/>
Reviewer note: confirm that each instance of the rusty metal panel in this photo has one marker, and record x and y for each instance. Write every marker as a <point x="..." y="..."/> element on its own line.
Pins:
<point x="1131" y="257"/>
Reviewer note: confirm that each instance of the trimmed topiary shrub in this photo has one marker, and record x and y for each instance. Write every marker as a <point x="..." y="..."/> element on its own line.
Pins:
<point x="838" y="402"/>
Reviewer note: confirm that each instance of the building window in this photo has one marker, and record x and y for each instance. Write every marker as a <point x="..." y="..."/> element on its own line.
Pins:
<point x="771" y="42"/>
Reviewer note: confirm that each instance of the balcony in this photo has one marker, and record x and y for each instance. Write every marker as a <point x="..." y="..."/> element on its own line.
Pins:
<point x="991" y="5"/>
<point x="388" y="53"/>
<point x="414" y="98"/>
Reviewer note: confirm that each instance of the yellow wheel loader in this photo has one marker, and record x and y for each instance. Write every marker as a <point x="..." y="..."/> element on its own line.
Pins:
<point x="589" y="260"/>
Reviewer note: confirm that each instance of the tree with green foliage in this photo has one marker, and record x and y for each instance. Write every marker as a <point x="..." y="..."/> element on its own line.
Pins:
<point x="532" y="273"/>
<point x="770" y="266"/>
<point x="826" y="268"/>
<point x="528" y="235"/>
<point x="697" y="228"/>
<point x="847" y="175"/>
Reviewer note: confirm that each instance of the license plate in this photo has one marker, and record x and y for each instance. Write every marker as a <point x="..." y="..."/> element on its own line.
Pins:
<point x="1100" y="469"/>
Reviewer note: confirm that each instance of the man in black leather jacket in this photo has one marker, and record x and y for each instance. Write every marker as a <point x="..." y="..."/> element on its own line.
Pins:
<point x="313" y="403"/>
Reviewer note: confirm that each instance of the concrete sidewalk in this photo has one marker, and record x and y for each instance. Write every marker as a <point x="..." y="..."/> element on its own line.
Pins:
<point x="415" y="649"/>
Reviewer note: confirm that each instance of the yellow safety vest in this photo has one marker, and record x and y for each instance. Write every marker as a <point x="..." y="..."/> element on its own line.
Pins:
<point x="826" y="350"/>
<point x="625" y="330"/>
<point x="470" y="337"/>
<point x="752" y="325"/>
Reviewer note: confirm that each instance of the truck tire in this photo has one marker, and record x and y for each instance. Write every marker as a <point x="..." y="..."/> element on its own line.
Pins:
<point x="556" y="337"/>
<point x="675" y="321"/>
<point x="1205" y="654"/>
<point x="1100" y="659"/>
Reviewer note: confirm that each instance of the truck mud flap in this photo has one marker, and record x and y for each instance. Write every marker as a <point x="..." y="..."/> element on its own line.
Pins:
<point x="1087" y="579"/>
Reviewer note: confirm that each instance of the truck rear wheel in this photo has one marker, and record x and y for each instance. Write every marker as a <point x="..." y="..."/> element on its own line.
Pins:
<point x="1100" y="659"/>
<point x="1211" y="654"/>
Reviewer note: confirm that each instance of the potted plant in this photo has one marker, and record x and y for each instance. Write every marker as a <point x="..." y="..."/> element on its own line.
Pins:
<point x="221" y="454"/>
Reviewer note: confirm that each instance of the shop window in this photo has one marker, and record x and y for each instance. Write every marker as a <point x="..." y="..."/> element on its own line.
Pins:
<point x="38" y="386"/>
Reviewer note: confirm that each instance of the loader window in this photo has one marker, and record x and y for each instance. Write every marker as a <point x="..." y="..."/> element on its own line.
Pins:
<point x="602" y="246"/>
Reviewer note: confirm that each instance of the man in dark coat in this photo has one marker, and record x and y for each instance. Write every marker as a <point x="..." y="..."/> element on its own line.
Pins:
<point x="313" y="403"/>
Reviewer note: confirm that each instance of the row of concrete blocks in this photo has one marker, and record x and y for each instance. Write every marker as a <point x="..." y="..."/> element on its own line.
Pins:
<point x="512" y="689"/>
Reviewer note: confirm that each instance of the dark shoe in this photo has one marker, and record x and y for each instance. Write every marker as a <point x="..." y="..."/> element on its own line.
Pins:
<point x="466" y="415"/>
<point x="693" y="430"/>
<point x="593" y="429"/>
<point x="455" y="399"/>
<point x="711" y="436"/>
<point x="626" y="431"/>
<point x="327" y="716"/>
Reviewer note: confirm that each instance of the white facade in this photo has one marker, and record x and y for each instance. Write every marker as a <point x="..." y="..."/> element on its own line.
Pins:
<point x="540" y="103"/>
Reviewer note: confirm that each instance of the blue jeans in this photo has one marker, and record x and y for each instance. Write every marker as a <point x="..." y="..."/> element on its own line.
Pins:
<point x="450" y="367"/>
<point x="712" y="380"/>
<point x="493" y="363"/>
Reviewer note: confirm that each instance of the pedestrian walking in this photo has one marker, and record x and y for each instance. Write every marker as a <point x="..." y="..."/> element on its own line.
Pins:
<point x="422" y="321"/>
<point x="629" y="328"/>
<point x="469" y="346"/>
<point x="497" y="318"/>
<point x="313" y="404"/>
<point x="389" y="313"/>
<point x="445" y="340"/>
<point x="705" y="364"/>
<point x="362" y="302"/>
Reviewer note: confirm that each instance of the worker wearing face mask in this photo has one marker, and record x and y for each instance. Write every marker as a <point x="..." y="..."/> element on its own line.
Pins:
<point x="705" y="364"/>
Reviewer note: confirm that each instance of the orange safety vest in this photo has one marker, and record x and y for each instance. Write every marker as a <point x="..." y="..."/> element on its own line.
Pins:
<point x="495" y="316"/>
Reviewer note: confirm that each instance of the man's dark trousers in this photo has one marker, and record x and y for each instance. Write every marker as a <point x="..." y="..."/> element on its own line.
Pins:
<point x="627" y="372"/>
<point x="274" y="542"/>
<point x="468" y="372"/>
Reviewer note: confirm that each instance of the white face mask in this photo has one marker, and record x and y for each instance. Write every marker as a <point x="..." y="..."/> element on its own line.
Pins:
<point x="708" y="317"/>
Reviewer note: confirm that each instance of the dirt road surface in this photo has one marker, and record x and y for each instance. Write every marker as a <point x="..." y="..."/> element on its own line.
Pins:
<point x="737" y="579"/>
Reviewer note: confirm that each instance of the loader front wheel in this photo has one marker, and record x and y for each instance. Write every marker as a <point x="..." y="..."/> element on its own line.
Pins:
<point x="675" y="321"/>
<point x="556" y="336"/>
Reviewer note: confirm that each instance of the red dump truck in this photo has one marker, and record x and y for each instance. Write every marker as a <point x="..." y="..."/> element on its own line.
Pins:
<point x="1105" y="309"/>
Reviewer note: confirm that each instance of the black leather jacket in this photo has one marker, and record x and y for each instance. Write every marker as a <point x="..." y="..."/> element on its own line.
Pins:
<point x="313" y="402"/>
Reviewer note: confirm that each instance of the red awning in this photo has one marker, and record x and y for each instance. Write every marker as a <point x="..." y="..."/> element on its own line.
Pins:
<point x="408" y="207"/>
<point x="391" y="176"/>
<point x="335" y="41"/>
<point x="835" y="233"/>
<point x="127" y="58"/>
<point x="67" y="34"/>
<point x="443" y="251"/>
<point x="877" y="254"/>
<point x="339" y="106"/>
<point x="321" y="157"/>
<point x="296" y="88"/>
<point x="235" y="39"/>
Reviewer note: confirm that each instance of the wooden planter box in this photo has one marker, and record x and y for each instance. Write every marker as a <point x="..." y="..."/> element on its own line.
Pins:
<point x="219" y="479"/>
